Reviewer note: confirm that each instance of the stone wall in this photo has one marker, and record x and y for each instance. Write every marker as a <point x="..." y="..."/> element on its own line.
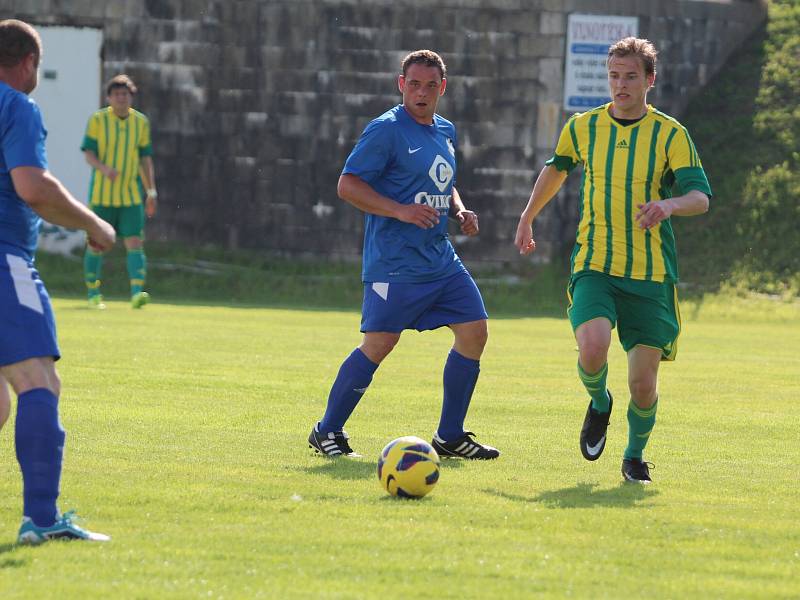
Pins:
<point x="256" y="104"/>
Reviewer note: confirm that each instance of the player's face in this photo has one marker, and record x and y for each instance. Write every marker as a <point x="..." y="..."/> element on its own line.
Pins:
<point x="120" y="100"/>
<point x="421" y="87"/>
<point x="628" y="85"/>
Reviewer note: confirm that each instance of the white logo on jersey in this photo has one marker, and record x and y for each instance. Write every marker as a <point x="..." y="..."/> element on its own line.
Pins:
<point x="440" y="202"/>
<point x="441" y="172"/>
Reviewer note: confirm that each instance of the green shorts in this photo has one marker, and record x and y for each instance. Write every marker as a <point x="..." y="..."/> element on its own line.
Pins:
<point x="645" y="312"/>
<point x="128" y="221"/>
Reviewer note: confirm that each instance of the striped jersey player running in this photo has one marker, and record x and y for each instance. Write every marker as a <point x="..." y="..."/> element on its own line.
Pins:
<point x="624" y="263"/>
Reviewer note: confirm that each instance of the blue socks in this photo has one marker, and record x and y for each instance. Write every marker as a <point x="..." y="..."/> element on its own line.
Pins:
<point x="353" y="379"/>
<point x="39" y="440"/>
<point x="460" y="376"/>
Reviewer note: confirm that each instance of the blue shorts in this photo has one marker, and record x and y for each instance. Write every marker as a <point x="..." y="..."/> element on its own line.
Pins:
<point x="393" y="307"/>
<point x="27" y="325"/>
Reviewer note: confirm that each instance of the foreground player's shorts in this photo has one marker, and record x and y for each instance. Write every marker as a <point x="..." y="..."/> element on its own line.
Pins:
<point x="27" y="326"/>
<point x="393" y="307"/>
<point x="645" y="312"/>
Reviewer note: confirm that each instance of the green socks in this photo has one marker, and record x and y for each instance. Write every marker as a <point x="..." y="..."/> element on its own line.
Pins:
<point x="596" y="386"/>
<point x="640" y="424"/>
<point x="92" y="267"/>
<point x="137" y="270"/>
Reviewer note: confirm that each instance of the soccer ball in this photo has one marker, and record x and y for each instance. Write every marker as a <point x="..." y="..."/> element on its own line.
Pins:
<point x="408" y="467"/>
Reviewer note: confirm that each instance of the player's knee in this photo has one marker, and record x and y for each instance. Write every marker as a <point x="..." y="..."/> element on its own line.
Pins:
<point x="593" y="355"/>
<point x="480" y="335"/>
<point x="378" y="348"/>
<point x="643" y="391"/>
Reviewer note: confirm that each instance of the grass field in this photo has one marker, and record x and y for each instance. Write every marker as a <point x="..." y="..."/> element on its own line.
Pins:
<point x="186" y="443"/>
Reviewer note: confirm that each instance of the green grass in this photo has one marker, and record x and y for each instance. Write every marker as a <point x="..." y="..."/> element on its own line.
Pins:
<point x="186" y="442"/>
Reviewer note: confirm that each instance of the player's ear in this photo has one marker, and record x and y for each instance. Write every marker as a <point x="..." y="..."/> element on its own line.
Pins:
<point x="444" y="85"/>
<point x="401" y="82"/>
<point x="651" y="79"/>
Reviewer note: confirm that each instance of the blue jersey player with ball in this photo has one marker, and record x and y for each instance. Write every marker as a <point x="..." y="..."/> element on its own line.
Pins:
<point x="402" y="174"/>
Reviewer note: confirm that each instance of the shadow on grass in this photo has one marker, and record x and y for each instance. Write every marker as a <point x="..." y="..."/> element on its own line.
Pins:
<point x="10" y="562"/>
<point x="344" y="468"/>
<point x="583" y="495"/>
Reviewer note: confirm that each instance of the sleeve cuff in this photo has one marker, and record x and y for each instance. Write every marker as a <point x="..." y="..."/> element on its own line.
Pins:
<point x="562" y="163"/>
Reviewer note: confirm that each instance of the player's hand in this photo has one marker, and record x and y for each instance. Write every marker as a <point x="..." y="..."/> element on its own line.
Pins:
<point x="468" y="221"/>
<point x="150" y="206"/>
<point x="110" y="172"/>
<point x="101" y="237"/>
<point x="523" y="240"/>
<point x="421" y="215"/>
<point x="653" y="213"/>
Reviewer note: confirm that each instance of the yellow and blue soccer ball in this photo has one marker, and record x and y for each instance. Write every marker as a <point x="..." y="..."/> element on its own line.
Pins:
<point x="408" y="467"/>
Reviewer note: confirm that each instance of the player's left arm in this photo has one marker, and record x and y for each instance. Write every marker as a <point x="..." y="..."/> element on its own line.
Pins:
<point x="148" y="175"/>
<point x="690" y="179"/>
<point x="467" y="219"/>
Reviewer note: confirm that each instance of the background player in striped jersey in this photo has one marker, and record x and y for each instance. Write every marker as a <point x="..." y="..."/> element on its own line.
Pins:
<point x="402" y="174"/>
<point x="118" y="146"/>
<point x="624" y="264"/>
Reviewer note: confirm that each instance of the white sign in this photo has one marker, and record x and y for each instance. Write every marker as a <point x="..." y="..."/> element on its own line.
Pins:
<point x="588" y="39"/>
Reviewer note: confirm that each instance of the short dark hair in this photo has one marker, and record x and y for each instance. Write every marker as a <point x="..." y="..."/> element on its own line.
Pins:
<point x="429" y="58"/>
<point x="121" y="81"/>
<point x="642" y="48"/>
<point x="18" y="40"/>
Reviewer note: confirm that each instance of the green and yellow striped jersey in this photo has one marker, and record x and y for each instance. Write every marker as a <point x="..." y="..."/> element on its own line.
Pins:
<point x="119" y="143"/>
<point x="624" y="166"/>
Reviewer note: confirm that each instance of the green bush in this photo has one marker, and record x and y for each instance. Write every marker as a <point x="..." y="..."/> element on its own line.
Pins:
<point x="746" y="125"/>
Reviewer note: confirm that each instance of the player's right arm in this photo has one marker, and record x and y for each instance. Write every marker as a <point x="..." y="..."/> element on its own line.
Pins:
<point x="547" y="185"/>
<point x="360" y="194"/>
<point x="52" y="201"/>
<point x="98" y="164"/>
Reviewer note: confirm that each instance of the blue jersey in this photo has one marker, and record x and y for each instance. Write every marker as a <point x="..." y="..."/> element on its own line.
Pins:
<point x="22" y="136"/>
<point x="409" y="163"/>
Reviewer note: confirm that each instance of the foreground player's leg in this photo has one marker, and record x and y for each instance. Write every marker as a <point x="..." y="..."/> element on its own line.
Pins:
<point x="460" y="376"/>
<point x="355" y="375"/>
<point x="92" y="269"/>
<point x="39" y="441"/>
<point x="594" y="338"/>
<point x="643" y="362"/>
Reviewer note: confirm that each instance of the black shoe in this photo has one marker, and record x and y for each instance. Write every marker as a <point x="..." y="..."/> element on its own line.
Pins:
<point x="333" y="443"/>
<point x="464" y="447"/>
<point x="636" y="471"/>
<point x="593" y="433"/>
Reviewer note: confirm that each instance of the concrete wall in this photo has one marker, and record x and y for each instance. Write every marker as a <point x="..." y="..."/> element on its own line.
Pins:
<point x="256" y="104"/>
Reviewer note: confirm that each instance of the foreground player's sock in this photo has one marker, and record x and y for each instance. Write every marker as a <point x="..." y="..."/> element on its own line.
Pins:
<point x="596" y="386"/>
<point x="92" y="267"/>
<point x="353" y="379"/>
<point x="460" y="376"/>
<point x="137" y="269"/>
<point x="640" y="424"/>
<point x="39" y="440"/>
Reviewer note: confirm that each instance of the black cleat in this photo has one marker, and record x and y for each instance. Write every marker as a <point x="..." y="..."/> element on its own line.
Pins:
<point x="464" y="447"/>
<point x="593" y="433"/>
<point x="332" y="444"/>
<point x="635" y="470"/>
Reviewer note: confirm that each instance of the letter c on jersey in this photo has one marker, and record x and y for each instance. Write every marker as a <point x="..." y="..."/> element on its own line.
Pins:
<point x="441" y="173"/>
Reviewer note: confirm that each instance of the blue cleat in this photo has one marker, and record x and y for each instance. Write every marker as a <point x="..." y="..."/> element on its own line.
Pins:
<point x="64" y="529"/>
